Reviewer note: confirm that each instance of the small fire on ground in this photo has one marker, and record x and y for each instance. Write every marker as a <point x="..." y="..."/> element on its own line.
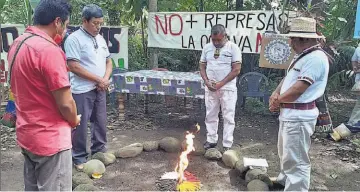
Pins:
<point x="185" y="181"/>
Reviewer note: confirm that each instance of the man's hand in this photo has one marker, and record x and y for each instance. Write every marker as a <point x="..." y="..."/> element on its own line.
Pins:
<point x="77" y="123"/>
<point x="274" y="108"/>
<point x="103" y="84"/>
<point x="218" y="85"/>
<point x="66" y="105"/>
<point x="274" y="104"/>
<point x="274" y="96"/>
<point x="210" y="86"/>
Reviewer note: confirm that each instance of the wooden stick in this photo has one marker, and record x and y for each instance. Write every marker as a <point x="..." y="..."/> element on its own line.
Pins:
<point x="146" y="104"/>
<point x="121" y="107"/>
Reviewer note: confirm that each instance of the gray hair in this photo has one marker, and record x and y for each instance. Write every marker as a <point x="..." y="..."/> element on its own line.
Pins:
<point x="218" y="29"/>
<point x="92" y="11"/>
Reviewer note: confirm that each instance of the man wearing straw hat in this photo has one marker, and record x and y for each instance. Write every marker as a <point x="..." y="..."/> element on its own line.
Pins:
<point x="295" y="97"/>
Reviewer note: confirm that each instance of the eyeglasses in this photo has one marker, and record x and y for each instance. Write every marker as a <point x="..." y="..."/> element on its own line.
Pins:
<point x="97" y="24"/>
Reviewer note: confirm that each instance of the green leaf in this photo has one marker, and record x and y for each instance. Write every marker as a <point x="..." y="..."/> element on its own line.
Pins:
<point x="34" y="3"/>
<point x="326" y="13"/>
<point x="342" y="19"/>
<point x="2" y="3"/>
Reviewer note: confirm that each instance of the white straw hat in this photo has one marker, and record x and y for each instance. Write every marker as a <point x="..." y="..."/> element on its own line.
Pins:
<point x="303" y="27"/>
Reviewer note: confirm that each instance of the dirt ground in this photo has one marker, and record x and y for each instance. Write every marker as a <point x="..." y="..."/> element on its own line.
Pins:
<point x="335" y="166"/>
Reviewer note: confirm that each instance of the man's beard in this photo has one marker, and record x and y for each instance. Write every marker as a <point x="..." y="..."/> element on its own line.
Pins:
<point x="221" y="44"/>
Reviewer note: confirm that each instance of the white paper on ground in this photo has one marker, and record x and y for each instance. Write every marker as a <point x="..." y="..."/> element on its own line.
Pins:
<point x="169" y="175"/>
<point x="255" y="162"/>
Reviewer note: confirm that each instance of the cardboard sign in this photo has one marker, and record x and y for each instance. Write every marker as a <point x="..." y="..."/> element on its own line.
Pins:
<point x="276" y="52"/>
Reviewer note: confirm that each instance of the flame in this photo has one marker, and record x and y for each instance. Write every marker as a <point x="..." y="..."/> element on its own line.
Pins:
<point x="197" y="128"/>
<point x="184" y="161"/>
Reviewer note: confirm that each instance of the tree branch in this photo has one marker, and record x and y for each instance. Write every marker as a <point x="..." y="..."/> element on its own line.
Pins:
<point x="267" y="4"/>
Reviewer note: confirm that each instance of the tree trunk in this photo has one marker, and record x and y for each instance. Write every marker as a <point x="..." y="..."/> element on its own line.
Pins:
<point x="283" y="24"/>
<point x="153" y="6"/>
<point x="143" y="35"/>
<point x="201" y="5"/>
<point x="28" y="12"/>
<point x="317" y="6"/>
<point x="153" y="60"/>
<point x="1" y="85"/>
<point x="267" y="4"/>
<point x="239" y="5"/>
<point x="229" y="4"/>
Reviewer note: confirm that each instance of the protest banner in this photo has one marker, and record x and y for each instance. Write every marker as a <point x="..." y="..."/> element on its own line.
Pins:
<point x="191" y="30"/>
<point x="115" y="37"/>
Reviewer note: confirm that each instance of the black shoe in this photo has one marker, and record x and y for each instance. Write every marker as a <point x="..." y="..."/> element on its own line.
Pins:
<point x="208" y="145"/>
<point x="353" y="128"/>
<point x="277" y="187"/>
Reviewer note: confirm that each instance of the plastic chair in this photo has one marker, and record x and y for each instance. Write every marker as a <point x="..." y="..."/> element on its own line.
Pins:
<point x="253" y="84"/>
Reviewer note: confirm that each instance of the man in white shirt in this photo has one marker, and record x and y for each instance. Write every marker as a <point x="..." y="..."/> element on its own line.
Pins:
<point x="295" y="96"/>
<point x="90" y="65"/>
<point x="220" y="64"/>
<point x="354" y="122"/>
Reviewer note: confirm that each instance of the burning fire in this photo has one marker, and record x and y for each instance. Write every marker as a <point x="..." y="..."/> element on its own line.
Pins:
<point x="185" y="180"/>
<point x="184" y="161"/>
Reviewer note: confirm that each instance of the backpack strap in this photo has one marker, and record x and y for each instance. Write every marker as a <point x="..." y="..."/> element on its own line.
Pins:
<point x="16" y="52"/>
<point x="18" y="48"/>
<point x="304" y="54"/>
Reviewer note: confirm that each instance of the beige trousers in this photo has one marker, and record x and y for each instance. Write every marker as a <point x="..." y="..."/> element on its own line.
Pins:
<point x="355" y="114"/>
<point x="227" y="100"/>
<point x="293" y="147"/>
